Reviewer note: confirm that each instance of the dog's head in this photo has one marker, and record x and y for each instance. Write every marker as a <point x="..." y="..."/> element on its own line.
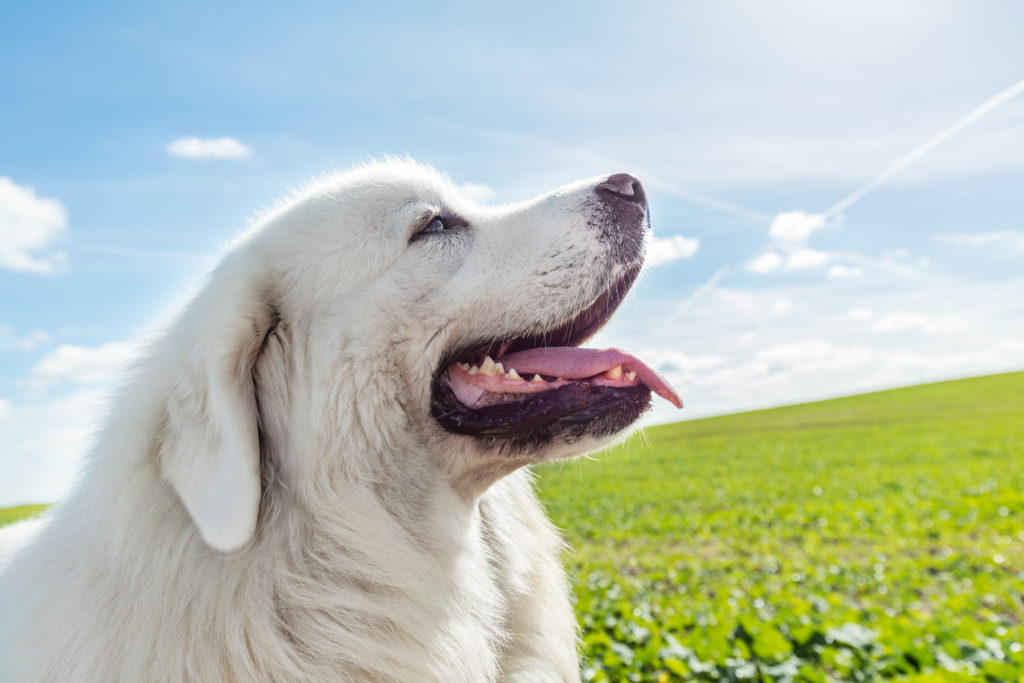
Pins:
<point x="380" y="320"/>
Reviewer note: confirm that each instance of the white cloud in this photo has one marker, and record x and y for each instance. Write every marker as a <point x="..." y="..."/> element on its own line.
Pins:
<point x="208" y="148"/>
<point x="795" y="226"/>
<point x="811" y="355"/>
<point x="826" y="345"/>
<point x="478" y="192"/>
<point x="662" y="250"/>
<point x="46" y="440"/>
<point x="902" y="321"/>
<point x="746" y="302"/>
<point x="800" y="258"/>
<point x="860" y="314"/>
<point x="768" y="262"/>
<point x="804" y="259"/>
<point x="844" y="272"/>
<point x="11" y="341"/>
<point x="48" y="430"/>
<point x="772" y="370"/>
<point x="672" y="360"/>
<point x="909" y="321"/>
<point x="82" y="365"/>
<point x="781" y="306"/>
<point x="943" y="325"/>
<point x="1007" y="238"/>
<point x="745" y="338"/>
<point x="816" y="368"/>
<point x="896" y="254"/>
<point x="28" y="226"/>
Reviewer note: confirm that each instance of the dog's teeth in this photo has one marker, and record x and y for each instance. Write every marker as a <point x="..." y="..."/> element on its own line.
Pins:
<point x="488" y="368"/>
<point x="464" y="366"/>
<point x="473" y="370"/>
<point x="512" y="374"/>
<point x="560" y="379"/>
<point x="499" y="368"/>
<point x="614" y="373"/>
<point x="537" y="378"/>
<point x="631" y="376"/>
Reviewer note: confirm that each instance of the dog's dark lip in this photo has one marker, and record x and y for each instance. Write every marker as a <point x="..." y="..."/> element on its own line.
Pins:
<point x="560" y="409"/>
<point x="541" y="416"/>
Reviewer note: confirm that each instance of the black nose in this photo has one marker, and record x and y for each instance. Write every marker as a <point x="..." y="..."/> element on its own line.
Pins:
<point x="624" y="186"/>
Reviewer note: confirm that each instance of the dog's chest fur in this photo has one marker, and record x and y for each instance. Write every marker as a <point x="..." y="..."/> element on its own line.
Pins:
<point x="484" y="601"/>
<point x="412" y="612"/>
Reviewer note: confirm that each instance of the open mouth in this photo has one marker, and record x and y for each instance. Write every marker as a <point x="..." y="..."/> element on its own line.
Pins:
<point x="541" y="384"/>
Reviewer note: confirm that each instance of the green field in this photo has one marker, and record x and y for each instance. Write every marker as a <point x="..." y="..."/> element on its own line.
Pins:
<point x="8" y="515"/>
<point x="873" y="537"/>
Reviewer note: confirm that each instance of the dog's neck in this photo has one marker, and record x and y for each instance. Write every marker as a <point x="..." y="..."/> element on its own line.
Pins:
<point x="415" y="520"/>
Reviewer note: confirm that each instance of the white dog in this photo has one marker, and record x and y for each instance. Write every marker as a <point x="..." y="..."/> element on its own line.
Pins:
<point x="315" y="473"/>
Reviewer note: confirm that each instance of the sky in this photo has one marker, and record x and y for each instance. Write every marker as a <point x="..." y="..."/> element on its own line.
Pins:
<point x="835" y="188"/>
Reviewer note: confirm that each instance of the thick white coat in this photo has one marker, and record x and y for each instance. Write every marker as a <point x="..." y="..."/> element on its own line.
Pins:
<point x="270" y="500"/>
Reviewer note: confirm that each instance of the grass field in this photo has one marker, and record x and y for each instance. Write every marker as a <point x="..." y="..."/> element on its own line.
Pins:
<point x="873" y="537"/>
<point x="9" y="515"/>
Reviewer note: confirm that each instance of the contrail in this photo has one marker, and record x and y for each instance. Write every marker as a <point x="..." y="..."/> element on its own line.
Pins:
<point x="649" y="178"/>
<point x="923" y="149"/>
<point x="699" y="294"/>
<point x="704" y="200"/>
<point x="855" y="196"/>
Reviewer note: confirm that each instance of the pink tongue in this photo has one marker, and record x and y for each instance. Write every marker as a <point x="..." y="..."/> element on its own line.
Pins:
<point x="571" y="362"/>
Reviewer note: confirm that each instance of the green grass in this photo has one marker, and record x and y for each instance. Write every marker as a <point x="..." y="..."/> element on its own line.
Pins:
<point x="872" y="537"/>
<point x="866" y="538"/>
<point x="11" y="515"/>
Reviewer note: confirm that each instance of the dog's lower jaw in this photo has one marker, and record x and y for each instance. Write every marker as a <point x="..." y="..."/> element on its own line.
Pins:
<point x="470" y="475"/>
<point x="472" y="465"/>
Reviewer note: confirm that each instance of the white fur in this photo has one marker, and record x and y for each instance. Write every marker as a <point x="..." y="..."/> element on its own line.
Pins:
<point x="270" y="499"/>
<point x="14" y="536"/>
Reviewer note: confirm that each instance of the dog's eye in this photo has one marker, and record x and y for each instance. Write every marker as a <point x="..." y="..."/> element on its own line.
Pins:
<point x="444" y="222"/>
<point x="436" y="225"/>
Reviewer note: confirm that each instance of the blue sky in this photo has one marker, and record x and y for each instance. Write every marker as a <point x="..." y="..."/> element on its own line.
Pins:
<point x="736" y="115"/>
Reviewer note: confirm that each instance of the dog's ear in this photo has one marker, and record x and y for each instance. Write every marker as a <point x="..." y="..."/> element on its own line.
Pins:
<point x="209" y="446"/>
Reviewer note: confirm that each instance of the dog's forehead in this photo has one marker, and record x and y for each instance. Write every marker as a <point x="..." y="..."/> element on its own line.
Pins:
<point x="394" y="182"/>
<point x="399" y="192"/>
